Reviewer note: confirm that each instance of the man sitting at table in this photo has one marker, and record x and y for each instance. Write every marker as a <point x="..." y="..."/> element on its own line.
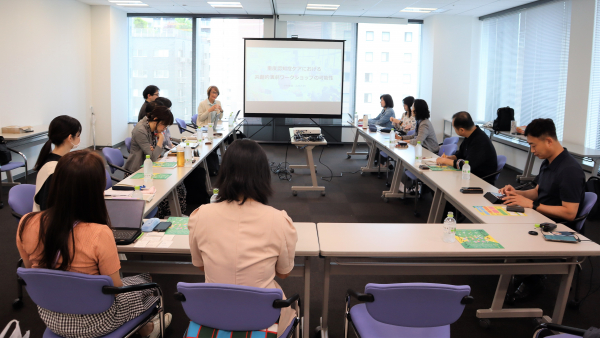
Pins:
<point x="477" y="148"/>
<point x="560" y="185"/>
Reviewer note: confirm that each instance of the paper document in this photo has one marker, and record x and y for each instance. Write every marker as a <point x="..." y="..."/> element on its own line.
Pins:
<point x="165" y="244"/>
<point x="119" y="193"/>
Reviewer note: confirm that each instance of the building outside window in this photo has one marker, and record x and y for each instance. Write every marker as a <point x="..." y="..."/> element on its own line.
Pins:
<point x="370" y="36"/>
<point x="385" y="57"/>
<point x="369" y="56"/>
<point x="367" y="97"/>
<point x="368" y="77"/>
<point x="385" y="36"/>
<point x="384" y="78"/>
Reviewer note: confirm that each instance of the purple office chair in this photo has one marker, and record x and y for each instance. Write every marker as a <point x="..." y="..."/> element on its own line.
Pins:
<point x="20" y="199"/>
<point x="12" y="166"/>
<point x="450" y="140"/>
<point x="128" y="144"/>
<point x="406" y="310"/>
<point x="182" y="126"/>
<point x="234" y="307"/>
<point x="115" y="160"/>
<point x="449" y="150"/>
<point x="546" y="330"/>
<point x="493" y="177"/>
<point x="411" y="132"/>
<point x="194" y="119"/>
<point x="78" y="294"/>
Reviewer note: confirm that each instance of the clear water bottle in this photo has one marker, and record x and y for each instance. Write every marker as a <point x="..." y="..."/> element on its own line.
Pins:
<point x="466" y="171"/>
<point x="148" y="171"/>
<point x="137" y="193"/>
<point x="392" y="137"/>
<point x="213" y="198"/>
<point x="419" y="151"/>
<point x="188" y="155"/>
<point x="449" y="228"/>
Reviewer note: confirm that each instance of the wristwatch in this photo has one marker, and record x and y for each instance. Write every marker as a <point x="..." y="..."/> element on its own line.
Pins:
<point x="536" y="204"/>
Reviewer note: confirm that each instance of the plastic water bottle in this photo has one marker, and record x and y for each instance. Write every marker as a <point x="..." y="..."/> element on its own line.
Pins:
<point x="419" y="151"/>
<point x="137" y="193"/>
<point x="449" y="228"/>
<point x="466" y="171"/>
<point x="148" y="171"/>
<point x="392" y="137"/>
<point x="188" y="155"/>
<point x="213" y="198"/>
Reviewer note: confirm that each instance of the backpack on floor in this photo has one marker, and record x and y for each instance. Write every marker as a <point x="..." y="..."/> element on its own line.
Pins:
<point x="502" y="121"/>
<point x="593" y="185"/>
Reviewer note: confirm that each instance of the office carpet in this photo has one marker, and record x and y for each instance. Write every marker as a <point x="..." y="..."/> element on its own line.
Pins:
<point x="349" y="198"/>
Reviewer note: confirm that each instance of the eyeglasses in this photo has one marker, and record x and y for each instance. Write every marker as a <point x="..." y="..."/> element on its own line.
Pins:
<point x="155" y="94"/>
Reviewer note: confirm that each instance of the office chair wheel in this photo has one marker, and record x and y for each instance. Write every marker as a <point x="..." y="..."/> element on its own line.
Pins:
<point x="322" y="193"/>
<point x="485" y="323"/>
<point x="385" y="200"/>
<point x="17" y="304"/>
<point x="388" y="184"/>
<point x="294" y="192"/>
<point x="362" y="173"/>
<point x="292" y="171"/>
<point x="349" y="156"/>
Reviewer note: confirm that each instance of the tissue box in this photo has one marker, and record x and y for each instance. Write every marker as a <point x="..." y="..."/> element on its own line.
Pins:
<point x="14" y="129"/>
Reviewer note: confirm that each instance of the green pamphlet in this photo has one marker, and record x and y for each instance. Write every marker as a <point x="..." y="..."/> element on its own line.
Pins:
<point x="140" y="176"/>
<point x="179" y="226"/>
<point x="476" y="239"/>
<point x="163" y="164"/>
<point x="442" y="168"/>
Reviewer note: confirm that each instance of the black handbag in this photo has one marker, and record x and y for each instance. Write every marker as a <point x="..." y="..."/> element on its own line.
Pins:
<point x="5" y="156"/>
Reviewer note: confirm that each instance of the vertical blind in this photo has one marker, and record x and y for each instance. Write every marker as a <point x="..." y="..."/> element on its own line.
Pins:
<point x="592" y="133"/>
<point x="523" y="63"/>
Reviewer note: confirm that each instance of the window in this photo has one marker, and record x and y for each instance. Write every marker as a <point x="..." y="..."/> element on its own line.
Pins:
<point x="337" y="31"/>
<point x="407" y="57"/>
<point x="161" y="53"/>
<point x="408" y="37"/>
<point x="523" y="63"/>
<point x="369" y="56"/>
<point x="592" y="133"/>
<point x="370" y="36"/>
<point x="220" y="58"/>
<point x="161" y="74"/>
<point x="160" y="38"/>
<point x="368" y="77"/>
<point x="367" y="97"/>
<point x="385" y="36"/>
<point x="390" y="68"/>
<point x="140" y="73"/>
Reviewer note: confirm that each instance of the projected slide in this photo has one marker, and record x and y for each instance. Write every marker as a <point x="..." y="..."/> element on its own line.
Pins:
<point x="293" y="77"/>
<point x="291" y="74"/>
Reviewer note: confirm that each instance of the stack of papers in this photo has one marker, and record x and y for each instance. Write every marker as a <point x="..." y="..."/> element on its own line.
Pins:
<point x="155" y="240"/>
<point x="118" y="193"/>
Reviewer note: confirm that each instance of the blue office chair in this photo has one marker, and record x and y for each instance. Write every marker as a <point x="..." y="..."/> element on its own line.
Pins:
<point x="182" y="126"/>
<point x="451" y="140"/>
<point x="406" y="310"/>
<point x="548" y="329"/>
<point x="493" y="177"/>
<point x="193" y="124"/>
<point x="128" y="144"/>
<point x="81" y="294"/>
<point x="449" y="150"/>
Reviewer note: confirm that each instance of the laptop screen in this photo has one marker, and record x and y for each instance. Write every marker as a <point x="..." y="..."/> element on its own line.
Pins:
<point x="125" y="213"/>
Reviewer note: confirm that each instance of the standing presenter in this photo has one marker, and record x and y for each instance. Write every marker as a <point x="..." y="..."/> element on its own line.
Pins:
<point x="209" y="107"/>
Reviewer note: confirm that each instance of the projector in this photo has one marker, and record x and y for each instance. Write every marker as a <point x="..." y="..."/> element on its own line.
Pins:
<point x="307" y="131"/>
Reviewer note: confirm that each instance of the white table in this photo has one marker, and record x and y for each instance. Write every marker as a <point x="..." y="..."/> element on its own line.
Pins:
<point x="13" y="140"/>
<point x="168" y="187"/>
<point x="307" y="246"/>
<point x="417" y="249"/>
<point x="310" y="164"/>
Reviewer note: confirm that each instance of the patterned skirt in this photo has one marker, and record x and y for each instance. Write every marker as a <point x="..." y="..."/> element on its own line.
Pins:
<point x="126" y="307"/>
<point x="164" y="210"/>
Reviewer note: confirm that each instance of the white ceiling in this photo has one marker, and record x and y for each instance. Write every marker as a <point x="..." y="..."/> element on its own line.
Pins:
<point x="370" y="8"/>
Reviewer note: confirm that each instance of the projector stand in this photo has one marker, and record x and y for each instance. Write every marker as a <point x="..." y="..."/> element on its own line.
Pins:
<point x="310" y="164"/>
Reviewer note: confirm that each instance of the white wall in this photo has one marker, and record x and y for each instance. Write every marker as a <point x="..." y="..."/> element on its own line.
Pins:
<point x="46" y="65"/>
<point x="119" y="79"/>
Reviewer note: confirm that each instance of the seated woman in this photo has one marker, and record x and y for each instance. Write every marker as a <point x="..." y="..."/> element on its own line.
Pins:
<point x="148" y="138"/>
<point x="209" y="107"/>
<point x="240" y="239"/>
<point x="424" y="131"/>
<point x="64" y="132"/>
<point x="407" y="122"/>
<point x="74" y="234"/>
<point x="383" y="119"/>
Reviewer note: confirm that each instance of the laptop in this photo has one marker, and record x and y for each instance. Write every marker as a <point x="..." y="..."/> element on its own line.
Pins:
<point x="126" y="219"/>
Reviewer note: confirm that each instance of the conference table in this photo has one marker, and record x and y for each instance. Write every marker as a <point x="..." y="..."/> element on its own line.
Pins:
<point x="168" y="187"/>
<point x="307" y="247"/>
<point x="351" y="249"/>
<point x="446" y="185"/>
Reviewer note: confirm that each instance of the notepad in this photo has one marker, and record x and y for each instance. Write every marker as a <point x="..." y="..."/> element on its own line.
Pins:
<point x="163" y="164"/>
<point x="476" y="239"/>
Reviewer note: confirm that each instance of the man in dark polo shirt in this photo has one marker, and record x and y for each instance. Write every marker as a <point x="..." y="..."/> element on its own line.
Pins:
<point x="561" y="182"/>
<point x="559" y="192"/>
<point x="477" y="148"/>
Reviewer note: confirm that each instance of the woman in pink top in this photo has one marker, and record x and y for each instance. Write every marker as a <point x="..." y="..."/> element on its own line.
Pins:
<point x="240" y="239"/>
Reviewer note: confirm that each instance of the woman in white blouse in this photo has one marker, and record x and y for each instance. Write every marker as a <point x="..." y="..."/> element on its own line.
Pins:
<point x="209" y="107"/>
<point x="407" y="121"/>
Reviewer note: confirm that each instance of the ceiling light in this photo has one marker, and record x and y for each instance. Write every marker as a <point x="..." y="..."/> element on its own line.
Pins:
<point x="418" y="10"/>
<point x="321" y="7"/>
<point x="226" y="4"/>
<point x="125" y="1"/>
<point x="133" y="5"/>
